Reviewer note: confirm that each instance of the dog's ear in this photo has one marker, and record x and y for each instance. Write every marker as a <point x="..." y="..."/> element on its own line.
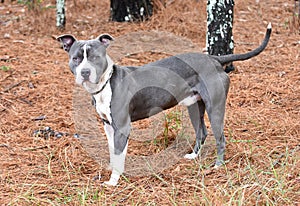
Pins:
<point x="67" y="41"/>
<point x="105" y="39"/>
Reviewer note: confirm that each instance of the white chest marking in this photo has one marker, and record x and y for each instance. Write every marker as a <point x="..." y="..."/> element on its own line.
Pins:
<point x="103" y="100"/>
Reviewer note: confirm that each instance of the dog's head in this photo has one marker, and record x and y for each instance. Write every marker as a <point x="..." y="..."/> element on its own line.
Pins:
<point x="88" y="60"/>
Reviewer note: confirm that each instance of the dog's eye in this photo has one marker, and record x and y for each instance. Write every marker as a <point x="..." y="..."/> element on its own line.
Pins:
<point x="94" y="58"/>
<point x="76" y="60"/>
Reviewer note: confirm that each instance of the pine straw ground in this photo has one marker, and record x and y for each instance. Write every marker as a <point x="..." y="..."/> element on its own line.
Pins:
<point x="262" y="117"/>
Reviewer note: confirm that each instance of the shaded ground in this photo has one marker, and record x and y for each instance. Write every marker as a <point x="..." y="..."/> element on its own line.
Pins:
<point x="262" y="118"/>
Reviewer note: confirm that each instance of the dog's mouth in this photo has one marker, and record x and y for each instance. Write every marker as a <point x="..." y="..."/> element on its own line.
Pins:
<point x="88" y="81"/>
<point x="81" y="80"/>
<point x="90" y="86"/>
<point x="93" y="82"/>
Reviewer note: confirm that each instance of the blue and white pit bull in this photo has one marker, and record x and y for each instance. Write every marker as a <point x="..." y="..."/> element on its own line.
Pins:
<point x="126" y="94"/>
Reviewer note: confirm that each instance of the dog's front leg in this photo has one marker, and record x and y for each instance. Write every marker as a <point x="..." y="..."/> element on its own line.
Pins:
<point x="117" y="143"/>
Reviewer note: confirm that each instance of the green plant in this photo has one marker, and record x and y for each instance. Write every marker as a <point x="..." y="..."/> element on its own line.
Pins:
<point x="31" y="4"/>
<point x="172" y="121"/>
<point x="5" y="68"/>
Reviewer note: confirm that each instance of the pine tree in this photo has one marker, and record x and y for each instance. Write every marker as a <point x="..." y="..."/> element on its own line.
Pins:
<point x="219" y="39"/>
<point x="130" y="10"/>
<point x="60" y="14"/>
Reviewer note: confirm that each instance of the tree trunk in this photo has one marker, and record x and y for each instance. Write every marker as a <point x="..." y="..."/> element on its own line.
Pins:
<point x="60" y="14"/>
<point x="219" y="39"/>
<point x="130" y="10"/>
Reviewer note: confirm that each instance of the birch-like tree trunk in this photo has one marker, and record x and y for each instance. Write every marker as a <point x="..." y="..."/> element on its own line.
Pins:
<point x="130" y="10"/>
<point x="60" y="14"/>
<point x="219" y="39"/>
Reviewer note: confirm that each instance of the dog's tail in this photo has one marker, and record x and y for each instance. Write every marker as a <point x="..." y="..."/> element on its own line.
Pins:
<point x="239" y="57"/>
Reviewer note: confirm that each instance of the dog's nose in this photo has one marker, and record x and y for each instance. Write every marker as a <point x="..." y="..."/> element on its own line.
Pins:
<point x="85" y="73"/>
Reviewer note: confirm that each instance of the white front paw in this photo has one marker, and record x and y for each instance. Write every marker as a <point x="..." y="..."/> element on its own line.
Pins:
<point x="111" y="182"/>
<point x="216" y="166"/>
<point x="109" y="167"/>
<point x="114" y="178"/>
<point x="190" y="156"/>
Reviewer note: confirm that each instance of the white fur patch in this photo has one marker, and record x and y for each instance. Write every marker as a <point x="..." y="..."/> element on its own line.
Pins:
<point x="117" y="162"/>
<point x="103" y="100"/>
<point x="113" y="180"/>
<point x="269" y="25"/>
<point x="191" y="156"/>
<point x="109" y="131"/>
<point x="188" y="101"/>
<point x="85" y="64"/>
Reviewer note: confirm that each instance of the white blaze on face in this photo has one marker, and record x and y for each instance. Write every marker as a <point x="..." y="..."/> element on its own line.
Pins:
<point x="85" y="65"/>
<point x="79" y="78"/>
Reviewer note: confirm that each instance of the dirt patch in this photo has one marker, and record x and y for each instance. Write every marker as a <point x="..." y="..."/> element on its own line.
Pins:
<point x="262" y="117"/>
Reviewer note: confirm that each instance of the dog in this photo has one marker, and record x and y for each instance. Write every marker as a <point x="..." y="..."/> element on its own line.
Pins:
<point x="124" y="94"/>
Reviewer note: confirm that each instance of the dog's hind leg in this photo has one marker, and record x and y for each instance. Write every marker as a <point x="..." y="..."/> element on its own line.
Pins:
<point x="216" y="116"/>
<point x="213" y="91"/>
<point x="196" y="113"/>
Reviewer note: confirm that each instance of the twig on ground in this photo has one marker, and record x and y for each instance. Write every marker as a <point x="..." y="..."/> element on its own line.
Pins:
<point x="34" y="148"/>
<point x="9" y="75"/>
<point x="13" y="86"/>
